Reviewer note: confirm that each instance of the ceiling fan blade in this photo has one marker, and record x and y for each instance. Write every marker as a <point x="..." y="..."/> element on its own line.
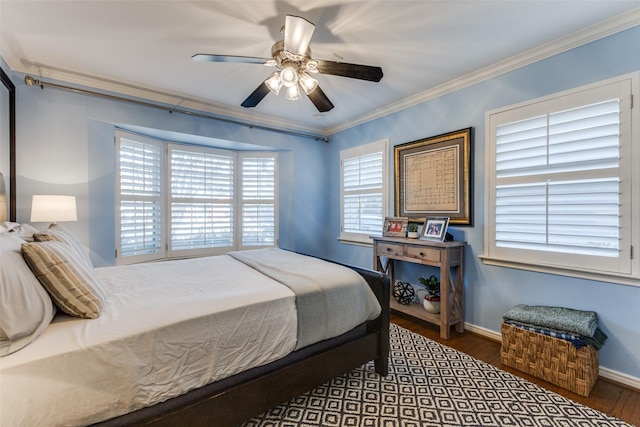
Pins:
<point x="297" y="34"/>
<point x="205" y="57"/>
<point x="354" y="71"/>
<point x="320" y="100"/>
<point x="256" y="96"/>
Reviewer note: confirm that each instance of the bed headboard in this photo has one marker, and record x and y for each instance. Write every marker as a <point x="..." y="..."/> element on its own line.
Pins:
<point x="8" y="141"/>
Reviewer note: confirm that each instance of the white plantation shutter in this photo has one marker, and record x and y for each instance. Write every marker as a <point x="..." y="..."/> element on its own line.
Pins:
<point x="579" y="217"/>
<point x="201" y="198"/>
<point x="140" y="222"/>
<point x="192" y="201"/>
<point x="258" y="187"/>
<point x="561" y="207"/>
<point x="363" y="190"/>
<point x="561" y="193"/>
<point x="363" y="193"/>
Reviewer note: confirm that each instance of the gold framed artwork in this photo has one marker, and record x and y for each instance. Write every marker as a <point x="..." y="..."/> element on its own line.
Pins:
<point x="395" y="226"/>
<point x="433" y="177"/>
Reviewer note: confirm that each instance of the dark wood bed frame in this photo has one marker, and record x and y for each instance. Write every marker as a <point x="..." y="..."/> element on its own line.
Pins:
<point x="236" y="399"/>
<point x="232" y="401"/>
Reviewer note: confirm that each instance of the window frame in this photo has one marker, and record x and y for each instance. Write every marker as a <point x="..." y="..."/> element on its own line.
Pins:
<point x="169" y="172"/>
<point x="119" y="199"/>
<point x="167" y="252"/>
<point x="626" y="268"/>
<point x="262" y="201"/>
<point x="358" y="151"/>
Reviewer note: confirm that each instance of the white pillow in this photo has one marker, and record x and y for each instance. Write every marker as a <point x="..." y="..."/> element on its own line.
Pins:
<point x="6" y="226"/>
<point x="58" y="233"/>
<point x="25" y="306"/>
<point x="25" y="232"/>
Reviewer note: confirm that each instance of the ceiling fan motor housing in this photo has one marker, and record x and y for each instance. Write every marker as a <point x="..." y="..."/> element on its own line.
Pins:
<point x="285" y="58"/>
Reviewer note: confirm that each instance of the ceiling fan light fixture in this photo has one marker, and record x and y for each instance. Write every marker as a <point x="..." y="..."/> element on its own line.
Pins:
<point x="292" y="58"/>
<point x="274" y="83"/>
<point x="293" y="93"/>
<point x="308" y="83"/>
<point x="289" y="76"/>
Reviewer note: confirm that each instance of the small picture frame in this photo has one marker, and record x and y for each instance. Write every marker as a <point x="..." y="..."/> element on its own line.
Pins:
<point x="435" y="229"/>
<point x="395" y="226"/>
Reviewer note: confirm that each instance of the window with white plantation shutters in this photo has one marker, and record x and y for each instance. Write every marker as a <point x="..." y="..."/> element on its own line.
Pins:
<point x="363" y="191"/>
<point x="177" y="200"/>
<point x="258" y="187"/>
<point x="560" y="181"/>
<point x="201" y="199"/>
<point x="139" y="188"/>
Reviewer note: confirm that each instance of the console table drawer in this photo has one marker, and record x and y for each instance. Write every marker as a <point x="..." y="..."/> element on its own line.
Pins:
<point x="423" y="253"/>
<point x="389" y="249"/>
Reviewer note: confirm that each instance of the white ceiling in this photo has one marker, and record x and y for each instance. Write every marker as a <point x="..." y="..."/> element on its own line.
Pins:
<point x="144" y="48"/>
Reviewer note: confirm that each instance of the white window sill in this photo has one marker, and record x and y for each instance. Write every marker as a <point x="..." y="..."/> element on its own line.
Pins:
<point x="621" y="279"/>
<point x="356" y="240"/>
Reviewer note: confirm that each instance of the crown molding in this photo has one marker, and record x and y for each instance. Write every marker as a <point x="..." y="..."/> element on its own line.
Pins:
<point x="612" y="26"/>
<point x="596" y="32"/>
<point x="43" y="71"/>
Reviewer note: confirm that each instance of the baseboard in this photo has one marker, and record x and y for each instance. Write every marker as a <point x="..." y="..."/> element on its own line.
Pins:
<point x="609" y="374"/>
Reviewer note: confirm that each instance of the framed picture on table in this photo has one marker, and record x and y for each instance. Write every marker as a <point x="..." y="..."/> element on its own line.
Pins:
<point x="395" y="226"/>
<point x="435" y="229"/>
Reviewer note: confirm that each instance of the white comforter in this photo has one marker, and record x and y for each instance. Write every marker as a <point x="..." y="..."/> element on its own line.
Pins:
<point x="167" y="328"/>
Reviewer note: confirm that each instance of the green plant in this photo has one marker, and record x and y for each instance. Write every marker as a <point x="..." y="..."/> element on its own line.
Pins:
<point x="412" y="227"/>
<point x="433" y="286"/>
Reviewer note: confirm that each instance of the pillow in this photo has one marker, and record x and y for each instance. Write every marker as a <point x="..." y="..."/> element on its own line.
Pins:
<point x="25" y="232"/>
<point x="6" y="226"/>
<point x="25" y="306"/>
<point x="58" y="233"/>
<point x="70" y="282"/>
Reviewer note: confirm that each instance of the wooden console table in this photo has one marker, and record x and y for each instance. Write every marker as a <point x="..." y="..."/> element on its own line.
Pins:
<point x="448" y="256"/>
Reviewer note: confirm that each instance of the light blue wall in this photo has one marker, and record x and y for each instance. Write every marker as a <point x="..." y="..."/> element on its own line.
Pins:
<point x="65" y="145"/>
<point x="490" y="291"/>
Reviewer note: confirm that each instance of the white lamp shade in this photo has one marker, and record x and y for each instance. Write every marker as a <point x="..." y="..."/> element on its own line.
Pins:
<point x="274" y="83"/>
<point x="308" y="83"/>
<point x="289" y="76"/>
<point x="293" y="93"/>
<point x="49" y="208"/>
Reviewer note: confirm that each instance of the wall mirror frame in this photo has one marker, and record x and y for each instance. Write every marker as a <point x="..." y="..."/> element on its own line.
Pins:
<point x="8" y="139"/>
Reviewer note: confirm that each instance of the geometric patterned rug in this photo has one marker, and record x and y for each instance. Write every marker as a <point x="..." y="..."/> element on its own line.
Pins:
<point x="430" y="384"/>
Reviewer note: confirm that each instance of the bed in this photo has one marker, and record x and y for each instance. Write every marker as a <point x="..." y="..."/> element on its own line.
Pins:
<point x="203" y="341"/>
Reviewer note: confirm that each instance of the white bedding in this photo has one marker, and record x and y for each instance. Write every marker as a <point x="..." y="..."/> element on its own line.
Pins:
<point x="330" y="298"/>
<point x="166" y="328"/>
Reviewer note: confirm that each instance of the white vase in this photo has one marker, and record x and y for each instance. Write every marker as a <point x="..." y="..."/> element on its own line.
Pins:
<point x="412" y="234"/>
<point x="431" y="306"/>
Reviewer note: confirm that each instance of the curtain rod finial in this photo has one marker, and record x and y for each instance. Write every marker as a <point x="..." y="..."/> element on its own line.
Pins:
<point x="30" y="81"/>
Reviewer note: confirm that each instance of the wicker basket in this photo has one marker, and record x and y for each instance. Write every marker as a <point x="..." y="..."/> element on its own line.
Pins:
<point x="551" y="359"/>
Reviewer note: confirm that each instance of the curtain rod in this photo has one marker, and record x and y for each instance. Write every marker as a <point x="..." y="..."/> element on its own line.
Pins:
<point x="31" y="81"/>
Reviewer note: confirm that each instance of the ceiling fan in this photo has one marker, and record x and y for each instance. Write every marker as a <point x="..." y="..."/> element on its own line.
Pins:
<point x="292" y="58"/>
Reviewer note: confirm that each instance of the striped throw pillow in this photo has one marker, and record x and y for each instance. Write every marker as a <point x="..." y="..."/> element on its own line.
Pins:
<point x="66" y="276"/>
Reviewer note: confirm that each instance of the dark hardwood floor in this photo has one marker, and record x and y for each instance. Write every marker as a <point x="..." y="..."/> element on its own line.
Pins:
<point x="606" y="396"/>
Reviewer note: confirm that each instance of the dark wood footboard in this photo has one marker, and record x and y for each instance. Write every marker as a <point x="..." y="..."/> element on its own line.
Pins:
<point x="380" y="286"/>
<point x="236" y="399"/>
